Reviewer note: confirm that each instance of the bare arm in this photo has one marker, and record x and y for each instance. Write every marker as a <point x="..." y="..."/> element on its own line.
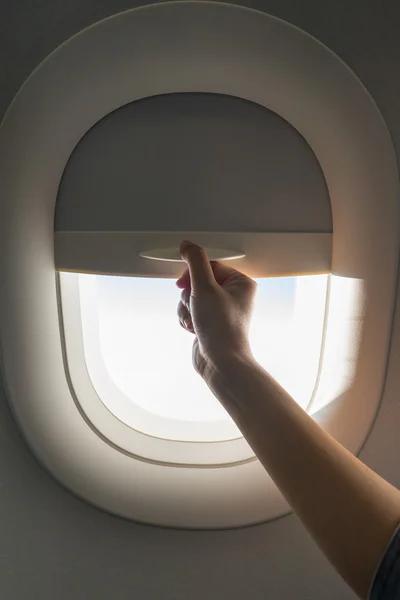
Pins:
<point x="348" y="509"/>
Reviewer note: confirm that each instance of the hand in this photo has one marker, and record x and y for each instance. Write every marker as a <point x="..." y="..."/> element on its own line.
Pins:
<point x="216" y="305"/>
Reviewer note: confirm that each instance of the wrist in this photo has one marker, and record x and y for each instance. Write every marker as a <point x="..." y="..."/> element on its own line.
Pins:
<point x="222" y="366"/>
<point x="230" y="378"/>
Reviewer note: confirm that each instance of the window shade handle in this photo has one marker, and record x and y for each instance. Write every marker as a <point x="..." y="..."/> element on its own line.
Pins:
<point x="173" y="254"/>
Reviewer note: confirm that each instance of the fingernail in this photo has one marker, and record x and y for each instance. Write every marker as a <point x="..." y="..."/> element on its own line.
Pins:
<point x="185" y="244"/>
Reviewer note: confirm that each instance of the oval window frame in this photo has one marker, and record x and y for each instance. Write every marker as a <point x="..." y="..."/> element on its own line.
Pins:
<point x="324" y="101"/>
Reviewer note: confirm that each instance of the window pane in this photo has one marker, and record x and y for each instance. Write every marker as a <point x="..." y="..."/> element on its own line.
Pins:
<point x="147" y="355"/>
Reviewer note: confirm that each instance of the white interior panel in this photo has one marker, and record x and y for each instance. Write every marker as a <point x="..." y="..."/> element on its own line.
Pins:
<point x="270" y="63"/>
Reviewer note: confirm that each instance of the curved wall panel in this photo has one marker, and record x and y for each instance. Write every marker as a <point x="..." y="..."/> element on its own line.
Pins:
<point x="135" y="55"/>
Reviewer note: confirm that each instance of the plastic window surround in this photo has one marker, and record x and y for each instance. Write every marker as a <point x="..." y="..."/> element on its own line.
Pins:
<point x="360" y="168"/>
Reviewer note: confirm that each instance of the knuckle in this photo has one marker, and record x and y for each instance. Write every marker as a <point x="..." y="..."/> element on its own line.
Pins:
<point x="251" y="284"/>
<point x="181" y="311"/>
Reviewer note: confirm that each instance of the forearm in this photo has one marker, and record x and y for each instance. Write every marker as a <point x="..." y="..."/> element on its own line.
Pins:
<point x="349" y="510"/>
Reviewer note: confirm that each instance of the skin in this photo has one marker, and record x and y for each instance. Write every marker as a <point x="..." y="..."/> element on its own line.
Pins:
<point x="349" y="510"/>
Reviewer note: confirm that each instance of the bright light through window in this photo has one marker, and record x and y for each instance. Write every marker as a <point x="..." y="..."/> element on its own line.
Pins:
<point x="132" y="338"/>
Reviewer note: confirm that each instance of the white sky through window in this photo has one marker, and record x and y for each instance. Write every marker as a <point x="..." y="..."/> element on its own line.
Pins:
<point x="148" y="356"/>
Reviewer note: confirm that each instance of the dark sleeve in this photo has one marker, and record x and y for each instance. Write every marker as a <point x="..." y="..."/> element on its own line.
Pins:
<point x="386" y="584"/>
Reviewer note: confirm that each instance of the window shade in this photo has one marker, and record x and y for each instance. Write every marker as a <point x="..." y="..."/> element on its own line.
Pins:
<point x="191" y="162"/>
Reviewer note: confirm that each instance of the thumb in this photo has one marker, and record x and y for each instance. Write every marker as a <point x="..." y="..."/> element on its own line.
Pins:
<point x="201" y="273"/>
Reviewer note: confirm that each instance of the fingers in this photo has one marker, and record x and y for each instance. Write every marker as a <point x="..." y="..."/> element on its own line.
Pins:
<point x="224" y="274"/>
<point x="207" y="272"/>
<point x="184" y="317"/>
<point x="185" y="298"/>
<point x="200" y="271"/>
<point x="241" y="285"/>
<point x="184" y="280"/>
